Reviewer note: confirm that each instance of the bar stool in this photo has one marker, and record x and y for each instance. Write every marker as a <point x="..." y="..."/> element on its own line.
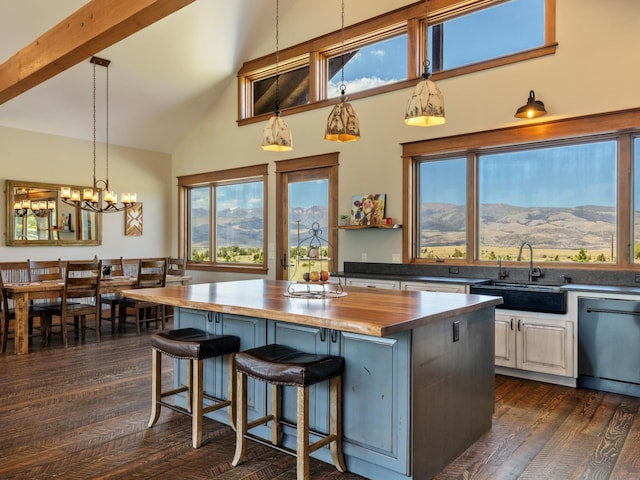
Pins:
<point x="194" y="346"/>
<point x="280" y="365"/>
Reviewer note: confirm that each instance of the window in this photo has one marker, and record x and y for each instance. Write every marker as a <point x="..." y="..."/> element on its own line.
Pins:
<point x="563" y="186"/>
<point x="369" y="67"/>
<point x="223" y="219"/>
<point x="443" y="207"/>
<point x="383" y="54"/>
<point x="636" y="199"/>
<point x="562" y="200"/>
<point x="293" y="91"/>
<point x="497" y="31"/>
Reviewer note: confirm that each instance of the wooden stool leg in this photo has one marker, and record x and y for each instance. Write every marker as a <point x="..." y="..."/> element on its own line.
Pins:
<point x="196" y="398"/>
<point x="276" y="411"/>
<point x="231" y="388"/>
<point x="189" y="392"/>
<point x="302" y="450"/>
<point x="156" y="385"/>
<point x="335" y="423"/>
<point x="241" y="420"/>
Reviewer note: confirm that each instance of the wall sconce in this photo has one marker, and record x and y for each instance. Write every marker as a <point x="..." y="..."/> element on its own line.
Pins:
<point x="534" y="108"/>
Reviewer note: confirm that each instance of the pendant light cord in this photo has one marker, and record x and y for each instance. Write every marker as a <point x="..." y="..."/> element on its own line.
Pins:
<point x="425" y="62"/>
<point x="343" y="87"/>
<point x="94" y="126"/>
<point x="277" y="111"/>
<point x="107" y="132"/>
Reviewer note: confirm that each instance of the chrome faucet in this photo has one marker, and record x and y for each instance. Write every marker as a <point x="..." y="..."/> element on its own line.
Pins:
<point x="502" y="272"/>
<point x="534" y="272"/>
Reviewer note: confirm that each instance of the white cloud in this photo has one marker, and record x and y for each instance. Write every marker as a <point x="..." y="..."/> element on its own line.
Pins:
<point x="358" y="85"/>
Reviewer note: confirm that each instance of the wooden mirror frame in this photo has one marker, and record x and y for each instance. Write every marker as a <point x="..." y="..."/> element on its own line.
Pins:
<point x="57" y="235"/>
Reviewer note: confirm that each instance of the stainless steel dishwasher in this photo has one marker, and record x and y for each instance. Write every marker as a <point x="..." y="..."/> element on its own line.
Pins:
<point x="609" y="345"/>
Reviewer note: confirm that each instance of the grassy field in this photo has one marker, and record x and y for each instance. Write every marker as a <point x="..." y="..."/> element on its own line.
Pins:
<point x="539" y="254"/>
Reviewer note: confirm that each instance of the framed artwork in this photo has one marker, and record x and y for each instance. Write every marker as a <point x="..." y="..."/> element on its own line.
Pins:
<point x="367" y="209"/>
<point x="133" y="221"/>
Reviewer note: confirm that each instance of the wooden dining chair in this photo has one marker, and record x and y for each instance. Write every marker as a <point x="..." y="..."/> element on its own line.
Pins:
<point x="80" y="298"/>
<point x="114" y="299"/>
<point x="44" y="270"/>
<point x="176" y="266"/>
<point x="152" y="273"/>
<point x="7" y="312"/>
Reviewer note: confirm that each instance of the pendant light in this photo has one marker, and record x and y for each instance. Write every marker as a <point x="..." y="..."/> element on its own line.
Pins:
<point x="426" y="105"/>
<point x="276" y="136"/>
<point x="343" y="124"/>
<point x="532" y="109"/>
<point x="89" y="199"/>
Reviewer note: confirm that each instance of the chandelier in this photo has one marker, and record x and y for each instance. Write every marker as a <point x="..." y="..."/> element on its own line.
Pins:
<point x="98" y="198"/>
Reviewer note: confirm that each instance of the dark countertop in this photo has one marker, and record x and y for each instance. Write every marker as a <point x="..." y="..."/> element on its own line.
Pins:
<point x="569" y="287"/>
<point x="413" y="278"/>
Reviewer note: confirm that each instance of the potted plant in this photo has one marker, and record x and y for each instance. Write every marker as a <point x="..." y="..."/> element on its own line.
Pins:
<point x="343" y="220"/>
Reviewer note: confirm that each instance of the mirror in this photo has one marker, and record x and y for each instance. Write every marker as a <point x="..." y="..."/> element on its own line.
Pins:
<point x="36" y="215"/>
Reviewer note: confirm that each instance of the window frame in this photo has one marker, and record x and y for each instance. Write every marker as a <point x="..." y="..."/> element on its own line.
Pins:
<point x="212" y="179"/>
<point x="409" y="20"/>
<point x="622" y="125"/>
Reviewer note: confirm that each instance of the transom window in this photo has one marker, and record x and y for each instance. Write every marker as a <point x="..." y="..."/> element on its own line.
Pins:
<point x="493" y="32"/>
<point x="223" y="219"/>
<point x="371" y="66"/>
<point x="385" y="53"/>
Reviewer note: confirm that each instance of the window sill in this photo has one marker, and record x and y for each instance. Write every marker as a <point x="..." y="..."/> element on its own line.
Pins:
<point x="208" y="267"/>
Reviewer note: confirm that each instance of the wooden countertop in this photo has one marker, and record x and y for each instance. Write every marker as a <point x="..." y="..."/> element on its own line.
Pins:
<point x="371" y="312"/>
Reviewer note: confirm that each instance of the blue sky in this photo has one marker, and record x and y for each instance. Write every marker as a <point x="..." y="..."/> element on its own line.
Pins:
<point x="566" y="176"/>
<point x="506" y="28"/>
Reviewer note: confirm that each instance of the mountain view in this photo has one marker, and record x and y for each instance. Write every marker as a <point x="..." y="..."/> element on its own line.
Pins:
<point x="587" y="226"/>
<point x="242" y="226"/>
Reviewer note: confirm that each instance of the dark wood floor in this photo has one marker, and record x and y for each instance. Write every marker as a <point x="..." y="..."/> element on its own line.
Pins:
<point x="81" y="413"/>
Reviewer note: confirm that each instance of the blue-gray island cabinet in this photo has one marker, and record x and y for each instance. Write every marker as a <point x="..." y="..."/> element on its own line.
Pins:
<point x="418" y="387"/>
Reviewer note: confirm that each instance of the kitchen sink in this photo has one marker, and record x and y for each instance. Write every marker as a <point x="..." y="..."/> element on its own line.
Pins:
<point x="530" y="297"/>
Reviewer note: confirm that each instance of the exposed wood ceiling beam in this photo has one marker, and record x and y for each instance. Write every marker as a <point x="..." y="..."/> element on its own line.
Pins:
<point x="92" y="28"/>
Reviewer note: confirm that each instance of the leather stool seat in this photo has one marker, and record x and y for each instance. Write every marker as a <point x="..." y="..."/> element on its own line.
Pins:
<point x="284" y="365"/>
<point x="280" y="365"/>
<point x="195" y="346"/>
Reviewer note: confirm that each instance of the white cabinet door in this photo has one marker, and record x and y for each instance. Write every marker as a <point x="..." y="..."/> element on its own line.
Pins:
<point x="434" y="287"/>
<point x="545" y="345"/>
<point x="534" y="343"/>
<point x="373" y="283"/>
<point x="505" y="332"/>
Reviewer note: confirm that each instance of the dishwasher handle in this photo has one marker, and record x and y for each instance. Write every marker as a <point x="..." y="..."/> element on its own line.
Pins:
<point x="611" y="310"/>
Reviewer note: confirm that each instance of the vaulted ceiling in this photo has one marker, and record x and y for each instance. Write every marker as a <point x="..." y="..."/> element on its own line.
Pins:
<point x="162" y="79"/>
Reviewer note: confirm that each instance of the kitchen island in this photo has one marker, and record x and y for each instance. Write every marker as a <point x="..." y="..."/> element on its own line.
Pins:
<point x="418" y="386"/>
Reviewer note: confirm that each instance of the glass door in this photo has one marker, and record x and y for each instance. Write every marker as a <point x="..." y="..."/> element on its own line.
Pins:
<point x="306" y="195"/>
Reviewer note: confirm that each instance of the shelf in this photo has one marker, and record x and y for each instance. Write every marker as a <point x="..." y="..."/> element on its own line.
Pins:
<point x="363" y="227"/>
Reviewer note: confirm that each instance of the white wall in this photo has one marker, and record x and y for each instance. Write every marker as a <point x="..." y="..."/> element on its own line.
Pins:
<point x="595" y="69"/>
<point x="45" y="158"/>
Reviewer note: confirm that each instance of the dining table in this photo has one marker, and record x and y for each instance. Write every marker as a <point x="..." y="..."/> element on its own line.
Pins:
<point x="23" y="292"/>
